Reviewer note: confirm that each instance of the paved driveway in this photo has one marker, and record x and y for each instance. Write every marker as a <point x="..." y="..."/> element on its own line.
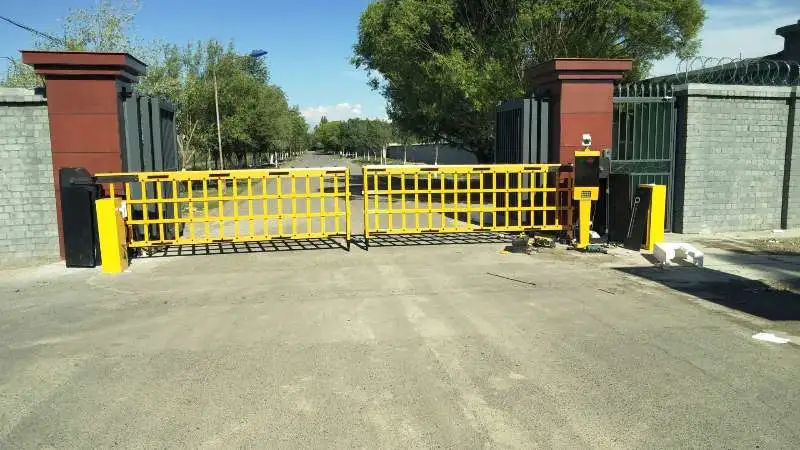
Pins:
<point x="454" y="346"/>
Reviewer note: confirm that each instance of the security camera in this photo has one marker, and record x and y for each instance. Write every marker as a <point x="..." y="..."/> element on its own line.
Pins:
<point x="586" y="140"/>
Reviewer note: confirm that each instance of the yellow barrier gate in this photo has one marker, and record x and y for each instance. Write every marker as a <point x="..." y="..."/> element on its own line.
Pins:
<point x="204" y="207"/>
<point x="456" y="199"/>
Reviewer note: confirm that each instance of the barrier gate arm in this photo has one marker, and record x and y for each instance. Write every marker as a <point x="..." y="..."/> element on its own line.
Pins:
<point x="516" y="197"/>
<point x="196" y="207"/>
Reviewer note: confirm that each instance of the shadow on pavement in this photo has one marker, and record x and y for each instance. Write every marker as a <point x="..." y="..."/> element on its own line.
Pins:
<point x="753" y="297"/>
<point x="224" y="248"/>
<point x="405" y="240"/>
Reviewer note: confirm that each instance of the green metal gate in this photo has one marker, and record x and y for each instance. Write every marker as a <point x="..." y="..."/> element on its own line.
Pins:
<point x="643" y="137"/>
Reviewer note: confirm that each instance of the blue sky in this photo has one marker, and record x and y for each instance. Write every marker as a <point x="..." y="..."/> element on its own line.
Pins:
<point x="310" y="41"/>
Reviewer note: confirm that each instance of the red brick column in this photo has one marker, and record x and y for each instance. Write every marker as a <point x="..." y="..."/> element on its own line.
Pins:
<point x="581" y="91"/>
<point x="83" y="92"/>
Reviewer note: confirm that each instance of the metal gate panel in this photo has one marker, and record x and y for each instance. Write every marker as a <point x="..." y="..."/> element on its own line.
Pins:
<point x="643" y="137"/>
<point x="203" y="207"/>
<point x="522" y="131"/>
<point x="466" y="198"/>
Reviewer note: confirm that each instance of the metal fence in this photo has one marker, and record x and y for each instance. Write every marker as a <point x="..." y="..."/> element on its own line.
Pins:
<point x="522" y="132"/>
<point x="150" y="142"/>
<point x="643" y="136"/>
<point x="203" y="207"/>
<point x="458" y="199"/>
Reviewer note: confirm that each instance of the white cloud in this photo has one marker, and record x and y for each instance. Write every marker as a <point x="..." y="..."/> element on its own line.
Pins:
<point x="342" y="111"/>
<point x="740" y="28"/>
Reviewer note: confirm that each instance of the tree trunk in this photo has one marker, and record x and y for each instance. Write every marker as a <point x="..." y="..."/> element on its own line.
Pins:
<point x="436" y="155"/>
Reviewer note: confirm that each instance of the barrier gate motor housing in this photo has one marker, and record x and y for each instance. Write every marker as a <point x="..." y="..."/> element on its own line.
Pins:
<point x="586" y="188"/>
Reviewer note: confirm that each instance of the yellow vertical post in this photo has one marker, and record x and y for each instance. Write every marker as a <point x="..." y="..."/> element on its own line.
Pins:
<point x="655" y="215"/>
<point x="375" y="212"/>
<point x="307" y="194"/>
<point x="336" y="203"/>
<point x="279" y="196"/>
<point x="251" y="226"/>
<point x="294" y="205"/>
<point x="322" y="197"/>
<point x="160" y="206"/>
<point x="584" y="218"/>
<point x="235" y="198"/>
<point x="347" y="206"/>
<point x="264" y="207"/>
<point x="111" y="231"/>
<point x="416" y="202"/>
<point x="365" y="187"/>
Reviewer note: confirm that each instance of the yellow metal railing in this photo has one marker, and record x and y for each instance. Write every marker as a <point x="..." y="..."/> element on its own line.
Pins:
<point x="202" y="207"/>
<point x="454" y="199"/>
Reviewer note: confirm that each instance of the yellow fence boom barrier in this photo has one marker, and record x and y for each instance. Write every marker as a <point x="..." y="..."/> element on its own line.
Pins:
<point x="205" y="207"/>
<point x="465" y="198"/>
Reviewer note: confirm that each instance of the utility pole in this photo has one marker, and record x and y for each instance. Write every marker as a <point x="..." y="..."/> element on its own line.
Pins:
<point x="219" y="130"/>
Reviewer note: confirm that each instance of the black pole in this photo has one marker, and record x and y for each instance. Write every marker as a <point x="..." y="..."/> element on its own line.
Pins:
<point x="787" y="162"/>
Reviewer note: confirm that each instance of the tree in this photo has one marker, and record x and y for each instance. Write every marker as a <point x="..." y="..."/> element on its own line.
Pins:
<point x="444" y="64"/>
<point x="404" y="137"/>
<point x="327" y="135"/>
<point x="256" y="119"/>
<point x="105" y="27"/>
<point x="356" y="136"/>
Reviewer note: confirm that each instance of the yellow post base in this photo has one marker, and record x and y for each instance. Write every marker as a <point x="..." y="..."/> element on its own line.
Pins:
<point x="111" y="231"/>
<point x="655" y="216"/>
<point x="584" y="219"/>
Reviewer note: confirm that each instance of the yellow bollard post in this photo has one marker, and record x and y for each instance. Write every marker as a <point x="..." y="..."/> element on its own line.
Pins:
<point x="584" y="222"/>
<point x="654" y="233"/>
<point x="111" y="231"/>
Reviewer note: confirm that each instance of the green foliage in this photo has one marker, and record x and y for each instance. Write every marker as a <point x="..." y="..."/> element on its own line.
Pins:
<point x="444" y="64"/>
<point x="327" y="135"/>
<point x="353" y="135"/>
<point x="255" y="117"/>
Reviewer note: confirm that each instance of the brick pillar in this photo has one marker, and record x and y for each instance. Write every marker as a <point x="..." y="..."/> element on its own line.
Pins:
<point x="581" y="91"/>
<point x="83" y="92"/>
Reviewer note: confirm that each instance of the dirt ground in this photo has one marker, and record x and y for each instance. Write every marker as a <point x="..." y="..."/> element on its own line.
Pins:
<point x="777" y="245"/>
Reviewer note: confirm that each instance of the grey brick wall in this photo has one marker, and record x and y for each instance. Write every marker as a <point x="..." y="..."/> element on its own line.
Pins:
<point x="28" y="225"/>
<point x="734" y="153"/>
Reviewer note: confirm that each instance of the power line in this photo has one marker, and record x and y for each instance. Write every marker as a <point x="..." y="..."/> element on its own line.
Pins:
<point x="36" y="32"/>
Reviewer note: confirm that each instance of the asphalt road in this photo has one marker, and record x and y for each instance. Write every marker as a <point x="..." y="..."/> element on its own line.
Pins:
<point x="421" y="346"/>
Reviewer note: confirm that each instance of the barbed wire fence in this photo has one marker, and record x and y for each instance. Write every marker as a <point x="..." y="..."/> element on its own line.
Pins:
<point x="716" y="70"/>
<point x="738" y="71"/>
